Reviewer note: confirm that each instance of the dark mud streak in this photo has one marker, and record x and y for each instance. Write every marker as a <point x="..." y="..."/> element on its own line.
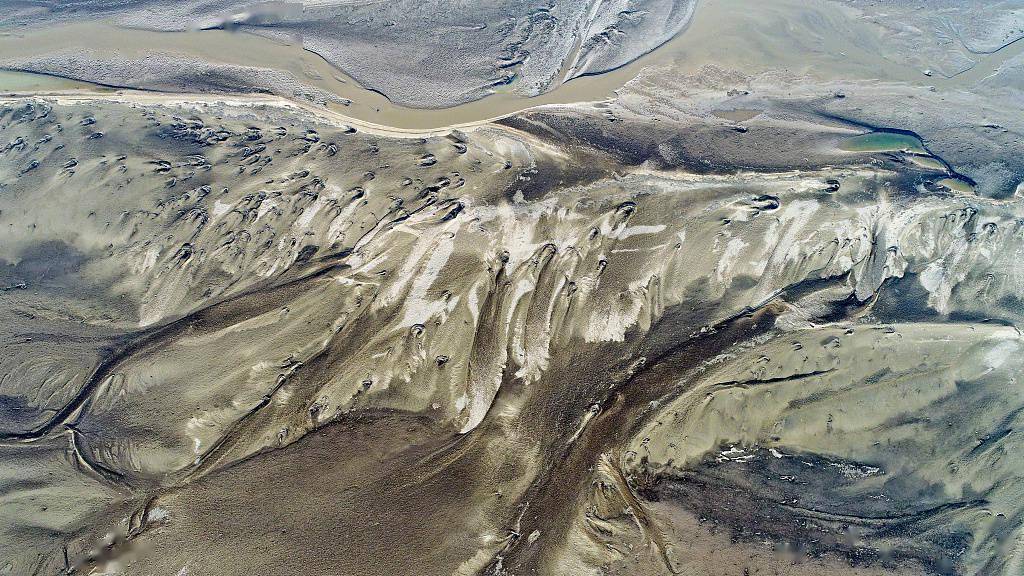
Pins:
<point x="209" y="318"/>
<point x="890" y="523"/>
<point x="90" y="464"/>
<point x="743" y="384"/>
<point x="752" y="515"/>
<point x="621" y="414"/>
<point x="309" y="371"/>
<point x="92" y="82"/>
<point x="208" y="459"/>
<point x="983" y="52"/>
<point x="624" y="410"/>
<point x="1003" y="429"/>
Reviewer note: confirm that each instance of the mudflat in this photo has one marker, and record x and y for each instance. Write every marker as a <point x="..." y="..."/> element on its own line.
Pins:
<point x="605" y="288"/>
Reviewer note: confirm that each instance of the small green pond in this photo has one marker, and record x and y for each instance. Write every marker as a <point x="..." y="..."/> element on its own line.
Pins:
<point x="883" y="142"/>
